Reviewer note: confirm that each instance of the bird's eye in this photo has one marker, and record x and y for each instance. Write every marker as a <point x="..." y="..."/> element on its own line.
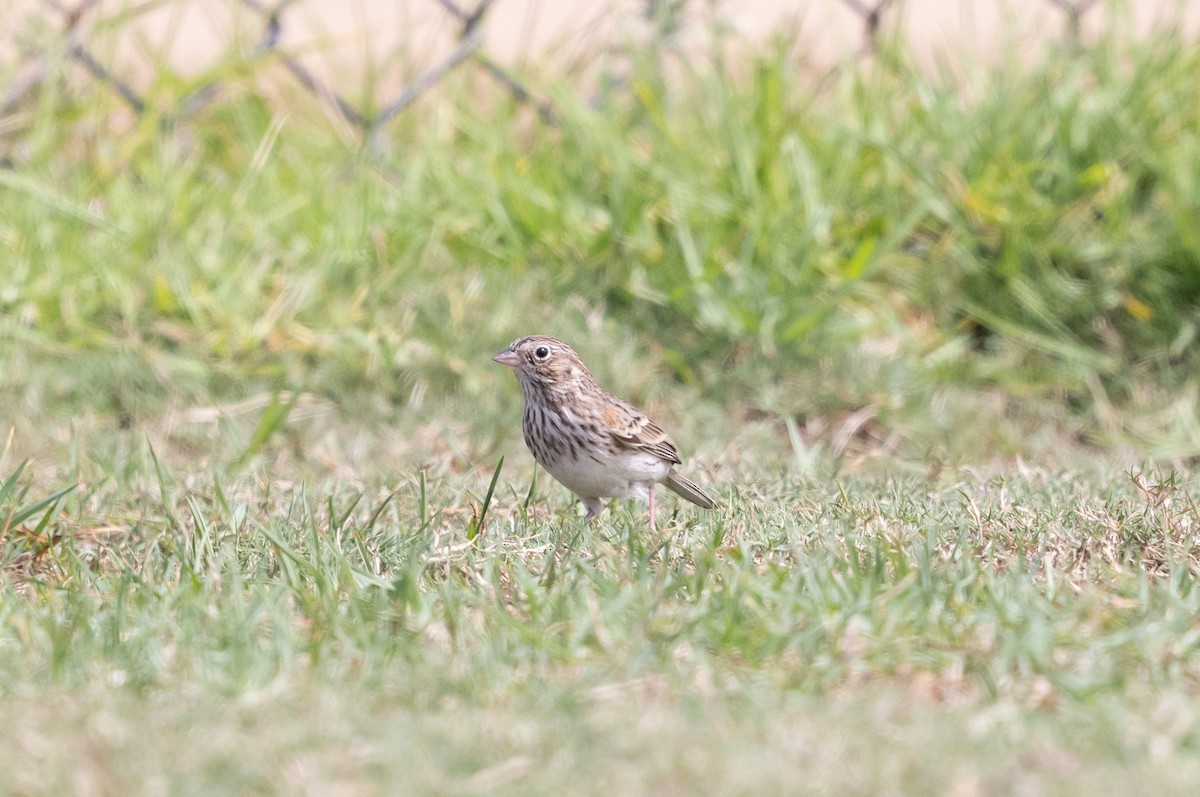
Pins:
<point x="541" y="352"/>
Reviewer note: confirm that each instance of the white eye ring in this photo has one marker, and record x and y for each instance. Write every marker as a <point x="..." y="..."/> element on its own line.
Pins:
<point x="541" y="352"/>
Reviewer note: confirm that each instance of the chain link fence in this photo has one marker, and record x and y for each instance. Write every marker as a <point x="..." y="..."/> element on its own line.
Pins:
<point x="72" y="30"/>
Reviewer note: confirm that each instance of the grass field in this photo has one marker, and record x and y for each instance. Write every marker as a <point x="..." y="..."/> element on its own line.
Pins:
<point x="930" y="338"/>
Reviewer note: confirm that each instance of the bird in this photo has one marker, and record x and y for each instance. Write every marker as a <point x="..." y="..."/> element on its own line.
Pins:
<point x="590" y="441"/>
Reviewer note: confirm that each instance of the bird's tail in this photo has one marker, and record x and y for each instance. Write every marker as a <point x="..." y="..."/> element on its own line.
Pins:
<point x="686" y="488"/>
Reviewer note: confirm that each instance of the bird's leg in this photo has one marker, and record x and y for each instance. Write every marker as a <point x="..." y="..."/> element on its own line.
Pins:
<point x="593" y="506"/>
<point x="651" y="502"/>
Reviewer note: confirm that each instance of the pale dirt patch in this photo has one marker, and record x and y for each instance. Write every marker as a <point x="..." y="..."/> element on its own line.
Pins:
<point x="391" y="41"/>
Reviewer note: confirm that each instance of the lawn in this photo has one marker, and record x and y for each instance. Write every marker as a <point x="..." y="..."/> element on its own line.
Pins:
<point x="267" y="523"/>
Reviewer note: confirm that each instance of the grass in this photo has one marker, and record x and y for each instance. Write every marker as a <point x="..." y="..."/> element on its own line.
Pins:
<point x="886" y="236"/>
<point x="929" y="337"/>
<point x="234" y="631"/>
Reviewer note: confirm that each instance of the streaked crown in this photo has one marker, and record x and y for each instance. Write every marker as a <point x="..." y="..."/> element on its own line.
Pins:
<point x="546" y="363"/>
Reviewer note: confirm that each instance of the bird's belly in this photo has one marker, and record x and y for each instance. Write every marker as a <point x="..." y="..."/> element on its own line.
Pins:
<point x="626" y="476"/>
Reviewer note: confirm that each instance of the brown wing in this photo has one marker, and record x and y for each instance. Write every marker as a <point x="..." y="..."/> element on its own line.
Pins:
<point x="635" y="430"/>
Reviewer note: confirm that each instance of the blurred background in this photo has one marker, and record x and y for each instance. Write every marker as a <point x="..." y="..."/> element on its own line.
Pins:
<point x="364" y="36"/>
<point x="913" y="231"/>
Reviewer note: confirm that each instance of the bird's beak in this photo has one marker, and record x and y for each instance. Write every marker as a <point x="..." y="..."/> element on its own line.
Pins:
<point x="508" y="357"/>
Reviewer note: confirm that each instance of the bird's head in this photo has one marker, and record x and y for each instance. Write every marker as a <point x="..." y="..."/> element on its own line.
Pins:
<point x="545" y="364"/>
